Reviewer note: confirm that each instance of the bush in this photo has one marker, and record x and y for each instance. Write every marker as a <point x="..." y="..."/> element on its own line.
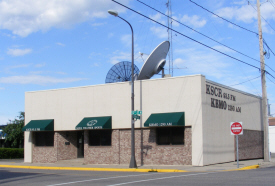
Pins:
<point x="11" y="153"/>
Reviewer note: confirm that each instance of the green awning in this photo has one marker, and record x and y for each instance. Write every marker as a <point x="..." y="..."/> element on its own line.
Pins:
<point x="95" y="123"/>
<point x="39" y="125"/>
<point x="165" y="119"/>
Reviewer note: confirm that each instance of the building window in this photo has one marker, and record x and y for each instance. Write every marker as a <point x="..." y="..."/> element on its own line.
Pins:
<point x="43" y="139"/>
<point x="100" y="137"/>
<point x="170" y="135"/>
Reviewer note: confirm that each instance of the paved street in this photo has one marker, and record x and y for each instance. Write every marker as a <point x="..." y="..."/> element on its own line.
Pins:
<point x="262" y="176"/>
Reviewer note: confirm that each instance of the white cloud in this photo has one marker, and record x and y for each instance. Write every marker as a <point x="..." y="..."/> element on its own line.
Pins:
<point x="160" y="32"/>
<point x="120" y="56"/>
<point x="178" y="61"/>
<point x="110" y="35"/>
<point x="127" y="40"/>
<point x="202" y="62"/>
<point x="36" y="79"/>
<point x="223" y="49"/>
<point x="98" y="24"/>
<point x="194" y="21"/>
<point x="244" y="13"/>
<point x="40" y="65"/>
<point x="174" y="23"/>
<point x="18" y="66"/>
<point x="158" y="17"/>
<point x="19" y="52"/>
<point x="61" y="44"/>
<point x="24" y="17"/>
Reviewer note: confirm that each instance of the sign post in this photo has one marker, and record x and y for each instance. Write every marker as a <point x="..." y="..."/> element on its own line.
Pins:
<point x="236" y="129"/>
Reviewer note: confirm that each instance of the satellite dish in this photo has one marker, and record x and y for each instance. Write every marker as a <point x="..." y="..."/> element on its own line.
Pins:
<point x="121" y="72"/>
<point x="155" y="62"/>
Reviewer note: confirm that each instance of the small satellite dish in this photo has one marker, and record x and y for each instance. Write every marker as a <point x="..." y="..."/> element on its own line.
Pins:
<point x="155" y="62"/>
<point x="121" y="72"/>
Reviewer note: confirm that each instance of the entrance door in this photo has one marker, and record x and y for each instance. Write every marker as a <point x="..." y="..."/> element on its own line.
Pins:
<point x="80" y="144"/>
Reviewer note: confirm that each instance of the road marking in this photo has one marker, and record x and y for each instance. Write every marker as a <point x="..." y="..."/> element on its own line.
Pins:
<point x="161" y="178"/>
<point x="67" y="183"/>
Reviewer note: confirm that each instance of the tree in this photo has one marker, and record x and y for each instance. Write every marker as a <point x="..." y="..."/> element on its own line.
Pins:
<point x="13" y="131"/>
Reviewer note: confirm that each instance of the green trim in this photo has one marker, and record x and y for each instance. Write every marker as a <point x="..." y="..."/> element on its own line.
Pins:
<point x="165" y="119"/>
<point x="39" y="125"/>
<point x="95" y="123"/>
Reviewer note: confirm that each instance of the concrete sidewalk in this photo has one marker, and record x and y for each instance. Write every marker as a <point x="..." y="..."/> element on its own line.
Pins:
<point x="77" y="164"/>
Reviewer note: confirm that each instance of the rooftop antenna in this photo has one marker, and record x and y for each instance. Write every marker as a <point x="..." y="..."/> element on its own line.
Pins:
<point x="155" y="62"/>
<point x="170" y="36"/>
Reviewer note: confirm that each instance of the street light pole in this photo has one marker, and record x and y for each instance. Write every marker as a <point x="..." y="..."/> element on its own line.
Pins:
<point x="133" y="163"/>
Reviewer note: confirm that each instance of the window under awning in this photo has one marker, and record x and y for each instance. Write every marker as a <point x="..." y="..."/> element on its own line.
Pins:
<point x="165" y="119"/>
<point x="95" y="123"/>
<point x="39" y="125"/>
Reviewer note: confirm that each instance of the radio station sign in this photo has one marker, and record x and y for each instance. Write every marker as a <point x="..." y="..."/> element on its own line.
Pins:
<point x="159" y="124"/>
<point x="32" y="129"/>
<point x="220" y="99"/>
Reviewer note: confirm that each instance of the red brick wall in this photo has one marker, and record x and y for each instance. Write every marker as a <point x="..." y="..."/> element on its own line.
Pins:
<point x="250" y="145"/>
<point x="146" y="150"/>
<point x="102" y="154"/>
<point x="66" y="152"/>
<point x="45" y="154"/>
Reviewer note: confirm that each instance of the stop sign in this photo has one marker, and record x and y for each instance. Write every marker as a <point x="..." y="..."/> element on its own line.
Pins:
<point x="236" y="128"/>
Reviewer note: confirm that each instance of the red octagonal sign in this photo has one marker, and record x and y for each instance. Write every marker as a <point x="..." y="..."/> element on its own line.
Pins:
<point x="236" y="128"/>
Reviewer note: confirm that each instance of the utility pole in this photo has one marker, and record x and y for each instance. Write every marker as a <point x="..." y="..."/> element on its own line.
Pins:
<point x="264" y="95"/>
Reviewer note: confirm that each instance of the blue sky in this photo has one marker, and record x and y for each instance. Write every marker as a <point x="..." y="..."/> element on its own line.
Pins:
<point x="51" y="44"/>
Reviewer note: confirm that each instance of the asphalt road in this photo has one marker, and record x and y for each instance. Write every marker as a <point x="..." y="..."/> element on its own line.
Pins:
<point x="262" y="176"/>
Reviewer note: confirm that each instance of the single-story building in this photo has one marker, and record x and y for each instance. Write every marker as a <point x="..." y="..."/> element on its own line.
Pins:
<point x="184" y="121"/>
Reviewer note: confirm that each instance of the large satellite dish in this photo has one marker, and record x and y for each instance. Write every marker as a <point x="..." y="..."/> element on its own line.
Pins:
<point x="121" y="72"/>
<point x="155" y="62"/>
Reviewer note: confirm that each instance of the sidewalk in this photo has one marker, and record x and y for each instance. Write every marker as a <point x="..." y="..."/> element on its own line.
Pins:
<point x="77" y="164"/>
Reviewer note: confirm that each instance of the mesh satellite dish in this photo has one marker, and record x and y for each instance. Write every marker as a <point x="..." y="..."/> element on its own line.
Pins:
<point x="155" y="62"/>
<point x="121" y="72"/>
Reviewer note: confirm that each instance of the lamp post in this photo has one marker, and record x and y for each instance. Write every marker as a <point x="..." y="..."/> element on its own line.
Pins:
<point x="133" y="163"/>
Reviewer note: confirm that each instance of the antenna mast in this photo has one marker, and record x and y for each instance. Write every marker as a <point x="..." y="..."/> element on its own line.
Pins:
<point x="170" y="36"/>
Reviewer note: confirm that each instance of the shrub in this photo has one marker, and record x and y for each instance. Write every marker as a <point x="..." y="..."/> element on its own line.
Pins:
<point x="11" y="153"/>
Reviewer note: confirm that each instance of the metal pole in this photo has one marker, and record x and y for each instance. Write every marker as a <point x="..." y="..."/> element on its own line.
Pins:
<point x="237" y="146"/>
<point x="264" y="94"/>
<point x="133" y="163"/>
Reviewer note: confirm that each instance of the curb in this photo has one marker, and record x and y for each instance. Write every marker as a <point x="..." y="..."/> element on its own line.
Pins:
<point x="92" y="169"/>
<point x="245" y="168"/>
<point x="249" y="167"/>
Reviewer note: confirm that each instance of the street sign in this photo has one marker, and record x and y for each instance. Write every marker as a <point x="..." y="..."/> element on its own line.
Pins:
<point x="236" y="128"/>
<point x="136" y="116"/>
<point x="137" y="112"/>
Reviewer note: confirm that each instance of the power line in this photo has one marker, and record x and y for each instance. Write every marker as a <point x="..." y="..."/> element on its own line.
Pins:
<point x="244" y="81"/>
<point x="271" y="2"/>
<point x="191" y="38"/>
<point x="261" y="16"/>
<point x="270" y="80"/>
<point x="199" y="32"/>
<point x="231" y="23"/>
<point x="203" y="34"/>
<point x="224" y="18"/>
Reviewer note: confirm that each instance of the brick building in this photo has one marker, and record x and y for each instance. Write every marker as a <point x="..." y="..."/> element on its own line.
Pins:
<point x="185" y="121"/>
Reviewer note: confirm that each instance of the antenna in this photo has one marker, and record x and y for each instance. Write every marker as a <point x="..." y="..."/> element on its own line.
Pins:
<point x="155" y="62"/>
<point x="121" y="72"/>
<point x="170" y="36"/>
